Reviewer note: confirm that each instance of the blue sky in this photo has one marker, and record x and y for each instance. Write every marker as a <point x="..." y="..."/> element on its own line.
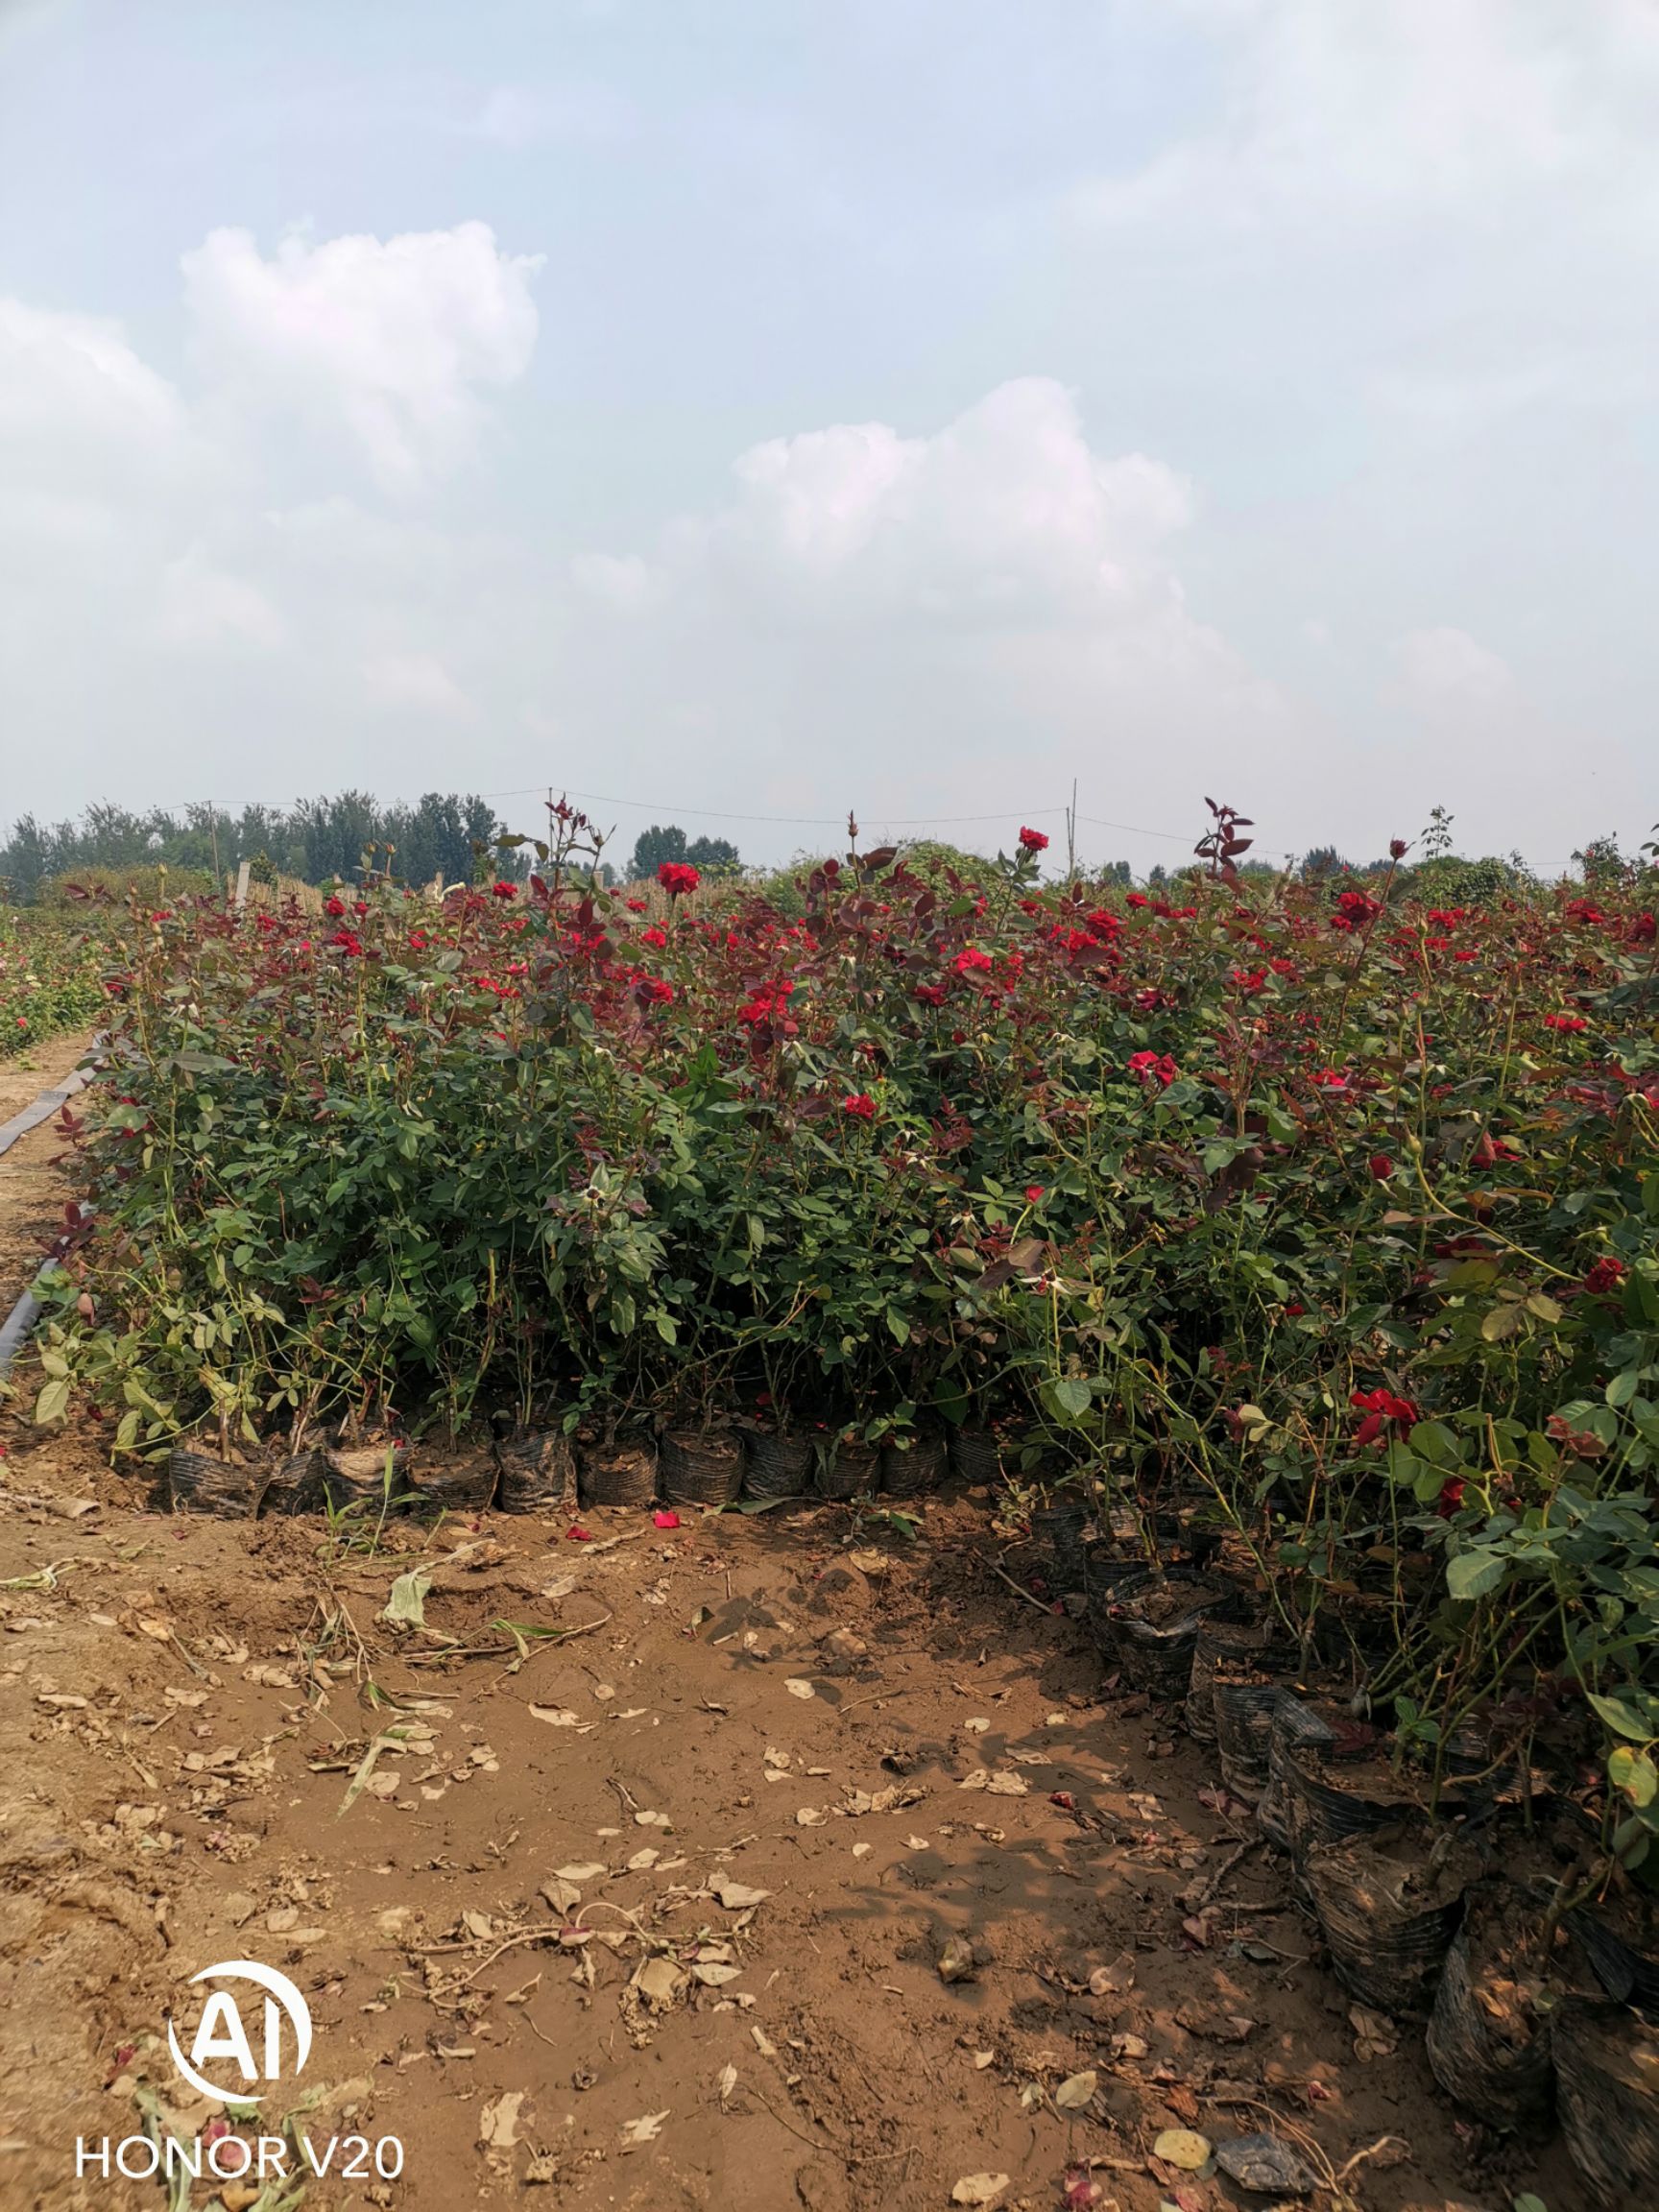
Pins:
<point x="767" y="409"/>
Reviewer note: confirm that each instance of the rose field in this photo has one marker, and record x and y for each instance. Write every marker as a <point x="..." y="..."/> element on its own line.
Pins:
<point x="1252" y="1283"/>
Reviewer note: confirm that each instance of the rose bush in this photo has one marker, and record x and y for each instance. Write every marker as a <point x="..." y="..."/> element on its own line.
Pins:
<point x="1335" y="1210"/>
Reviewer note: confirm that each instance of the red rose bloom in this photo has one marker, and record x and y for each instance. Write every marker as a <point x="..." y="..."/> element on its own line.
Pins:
<point x="1451" y="1497"/>
<point x="334" y="906"/>
<point x="1383" y="1411"/>
<point x="1033" y="841"/>
<point x="1151" y="1065"/>
<point x="1604" y="1277"/>
<point x="506" y="890"/>
<point x="1380" y="1166"/>
<point x="655" y="935"/>
<point x="860" y="1105"/>
<point x="1035" y="1192"/>
<point x="677" y="876"/>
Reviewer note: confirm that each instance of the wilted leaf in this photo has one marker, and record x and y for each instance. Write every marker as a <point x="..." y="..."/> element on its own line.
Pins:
<point x="499" y="2122"/>
<point x="1075" y="2091"/>
<point x="1112" y="1981"/>
<point x="406" y="1605"/>
<point x="1374" y="2034"/>
<point x="1184" y="2148"/>
<point x="735" y="1895"/>
<point x="662" y="1982"/>
<point x="979" y="2188"/>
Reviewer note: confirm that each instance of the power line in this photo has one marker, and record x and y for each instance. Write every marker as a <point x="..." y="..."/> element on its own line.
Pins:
<point x="663" y="806"/>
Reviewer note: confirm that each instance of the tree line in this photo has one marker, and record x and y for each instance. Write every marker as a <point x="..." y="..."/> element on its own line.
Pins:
<point x="314" y="840"/>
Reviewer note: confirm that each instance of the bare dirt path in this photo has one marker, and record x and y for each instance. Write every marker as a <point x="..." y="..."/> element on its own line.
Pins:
<point x="651" y="1912"/>
<point x="32" y="1192"/>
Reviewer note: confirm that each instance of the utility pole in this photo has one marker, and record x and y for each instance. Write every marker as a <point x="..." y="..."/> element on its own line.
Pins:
<point x="1072" y="836"/>
<point x="213" y="832"/>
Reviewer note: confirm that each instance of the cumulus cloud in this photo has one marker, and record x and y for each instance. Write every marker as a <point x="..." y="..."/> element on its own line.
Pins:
<point x="972" y="604"/>
<point x="1005" y="516"/>
<point x="78" y="407"/>
<point x="388" y="340"/>
<point x="158" y="573"/>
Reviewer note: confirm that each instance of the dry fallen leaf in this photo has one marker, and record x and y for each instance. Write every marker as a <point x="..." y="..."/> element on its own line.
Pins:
<point x="556" y="1716"/>
<point x="734" y="1895"/>
<point x="715" y="1976"/>
<point x="727" y="2083"/>
<point x="798" y="1685"/>
<point x="1075" y="2091"/>
<point x="1374" y="2034"/>
<point x="652" y="1821"/>
<point x="645" y="2129"/>
<point x="499" y="2122"/>
<point x="589" y="1870"/>
<point x="979" y="2188"/>
<point x="1182" y="2147"/>
<point x="1112" y="1981"/>
<point x="662" y="1982"/>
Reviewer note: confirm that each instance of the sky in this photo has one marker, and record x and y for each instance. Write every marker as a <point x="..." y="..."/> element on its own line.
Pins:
<point x="739" y="414"/>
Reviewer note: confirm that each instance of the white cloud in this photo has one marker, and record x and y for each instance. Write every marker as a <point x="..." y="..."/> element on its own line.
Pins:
<point x="387" y="340"/>
<point x="1005" y="517"/>
<point x="1330" y="113"/>
<point x="976" y="610"/>
<point x="76" y="404"/>
<point x="1445" y="667"/>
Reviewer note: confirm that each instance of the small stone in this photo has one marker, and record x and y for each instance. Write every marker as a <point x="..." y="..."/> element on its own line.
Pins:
<point x="1264" y="2166"/>
<point x="956" y="1960"/>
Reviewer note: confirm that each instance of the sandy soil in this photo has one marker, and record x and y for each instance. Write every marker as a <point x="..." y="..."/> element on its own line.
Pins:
<point x="650" y="1911"/>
